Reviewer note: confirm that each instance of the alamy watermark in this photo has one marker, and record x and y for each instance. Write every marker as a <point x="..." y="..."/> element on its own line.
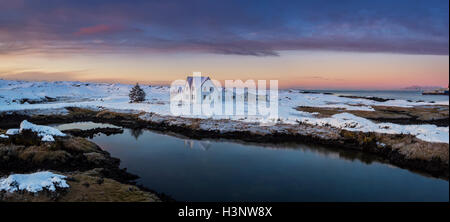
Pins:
<point x="201" y="96"/>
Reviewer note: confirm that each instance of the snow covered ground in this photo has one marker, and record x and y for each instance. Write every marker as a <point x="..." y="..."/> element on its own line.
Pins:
<point x="33" y="182"/>
<point x="426" y="132"/>
<point x="115" y="97"/>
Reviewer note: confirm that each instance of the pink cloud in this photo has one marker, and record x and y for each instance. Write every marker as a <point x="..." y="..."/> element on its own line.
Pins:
<point x="97" y="29"/>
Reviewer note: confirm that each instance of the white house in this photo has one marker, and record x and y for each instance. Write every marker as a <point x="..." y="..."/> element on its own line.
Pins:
<point x="198" y="89"/>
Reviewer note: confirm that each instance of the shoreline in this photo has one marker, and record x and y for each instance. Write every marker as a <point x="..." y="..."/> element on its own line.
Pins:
<point x="405" y="151"/>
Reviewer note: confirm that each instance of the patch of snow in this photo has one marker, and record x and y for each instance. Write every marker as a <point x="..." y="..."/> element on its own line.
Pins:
<point x="381" y="144"/>
<point x="4" y="136"/>
<point x="33" y="182"/>
<point x="12" y="132"/>
<point x="45" y="132"/>
<point x="42" y="131"/>
<point x="153" y="118"/>
<point x="48" y="138"/>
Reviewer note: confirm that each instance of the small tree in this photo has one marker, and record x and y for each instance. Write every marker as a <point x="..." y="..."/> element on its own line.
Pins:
<point x="137" y="94"/>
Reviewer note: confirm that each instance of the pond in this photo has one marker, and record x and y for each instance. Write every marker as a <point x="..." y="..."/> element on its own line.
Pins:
<point x="209" y="170"/>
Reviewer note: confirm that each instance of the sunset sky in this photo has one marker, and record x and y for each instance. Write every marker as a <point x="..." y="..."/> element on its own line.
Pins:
<point x="310" y="44"/>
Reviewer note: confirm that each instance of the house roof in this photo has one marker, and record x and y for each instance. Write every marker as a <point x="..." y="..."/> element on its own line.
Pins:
<point x="195" y="79"/>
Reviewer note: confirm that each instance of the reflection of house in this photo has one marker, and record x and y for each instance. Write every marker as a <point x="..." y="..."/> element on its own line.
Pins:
<point x="203" y="145"/>
<point x="198" y="89"/>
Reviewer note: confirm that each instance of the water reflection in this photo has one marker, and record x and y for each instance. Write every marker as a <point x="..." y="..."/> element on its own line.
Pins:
<point x="137" y="132"/>
<point x="83" y="125"/>
<point x="195" y="144"/>
<point x="327" y="152"/>
<point x="223" y="170"/>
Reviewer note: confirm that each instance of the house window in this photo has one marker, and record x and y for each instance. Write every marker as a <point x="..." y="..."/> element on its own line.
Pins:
<point x="204" y="97"/>
<point x="211" y="89"/>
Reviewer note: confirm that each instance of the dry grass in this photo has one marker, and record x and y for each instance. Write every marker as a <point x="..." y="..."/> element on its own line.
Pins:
<point x="86" y="187"/>
<point x="421" y="113"/>
<point x="113" y="115"/>
<point x="195" y="124"/>
<point x="407" y="145"/>
<point x="414" y="148"/>
<point x="78" y="144"/>
<point x="39" y="155"/>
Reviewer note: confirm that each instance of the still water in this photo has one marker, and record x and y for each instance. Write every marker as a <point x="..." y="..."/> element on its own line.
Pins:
<point x="203" y="170"/>
<point x="390" y="94"/>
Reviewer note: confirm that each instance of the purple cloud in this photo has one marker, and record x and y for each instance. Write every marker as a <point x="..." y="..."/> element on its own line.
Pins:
<point x="256" y="28"/>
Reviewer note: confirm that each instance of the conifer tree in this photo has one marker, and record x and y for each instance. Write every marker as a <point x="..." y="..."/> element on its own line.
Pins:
<point x="137" y="94"/>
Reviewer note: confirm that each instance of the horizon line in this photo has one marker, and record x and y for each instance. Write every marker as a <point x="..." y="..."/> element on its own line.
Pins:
<point x="167" y="83"/>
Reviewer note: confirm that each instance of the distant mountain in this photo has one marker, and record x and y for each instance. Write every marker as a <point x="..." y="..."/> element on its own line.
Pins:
<point x="421" y="88"/>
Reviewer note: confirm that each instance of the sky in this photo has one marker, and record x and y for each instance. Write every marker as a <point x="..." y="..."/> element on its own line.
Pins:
<point x="347" y="44"/>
